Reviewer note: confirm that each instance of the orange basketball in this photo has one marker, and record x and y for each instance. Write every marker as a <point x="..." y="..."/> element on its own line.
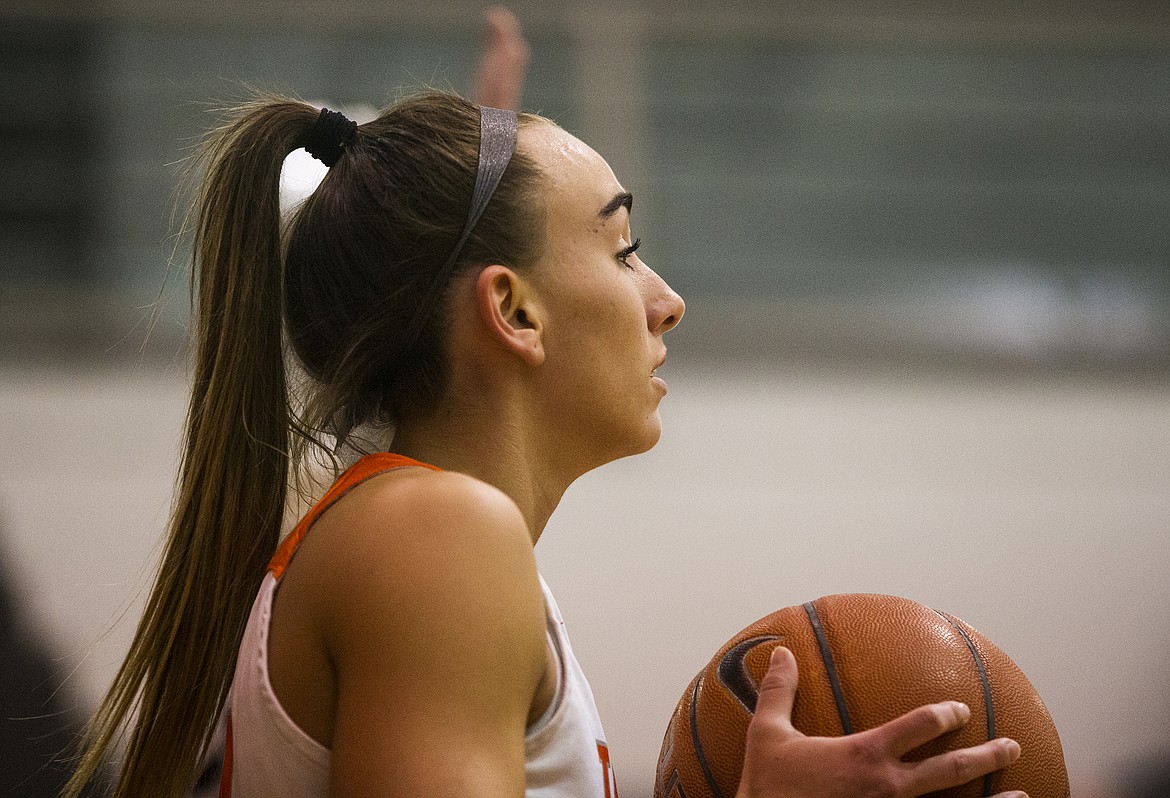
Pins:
<point x="864" y="660"/>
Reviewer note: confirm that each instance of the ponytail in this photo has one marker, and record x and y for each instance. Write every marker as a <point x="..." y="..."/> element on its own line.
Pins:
<point x="233" y="479"/>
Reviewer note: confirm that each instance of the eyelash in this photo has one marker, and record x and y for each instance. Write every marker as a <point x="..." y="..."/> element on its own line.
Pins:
<point x="625" y="254"/>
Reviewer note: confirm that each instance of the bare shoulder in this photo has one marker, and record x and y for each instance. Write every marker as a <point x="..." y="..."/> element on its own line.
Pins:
<point x="415" y="597"/>
<point x="426" y="599"/>
<point x="442" y="503"/>
<point x="416" y="573"/>
<point x="422" y="540"/>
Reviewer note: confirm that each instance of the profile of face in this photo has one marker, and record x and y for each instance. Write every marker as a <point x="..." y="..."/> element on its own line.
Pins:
<point x="605" y="309"/>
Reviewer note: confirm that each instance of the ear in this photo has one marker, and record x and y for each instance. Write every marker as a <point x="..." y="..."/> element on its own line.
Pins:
<point x="509" y="313"/>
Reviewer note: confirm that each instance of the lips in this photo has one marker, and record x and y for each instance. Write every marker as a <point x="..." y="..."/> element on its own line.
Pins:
<point x="661" y="361"/>
<point x="654" y="378"/>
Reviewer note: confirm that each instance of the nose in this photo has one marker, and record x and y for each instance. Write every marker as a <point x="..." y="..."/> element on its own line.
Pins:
<point x="665" y="309"/>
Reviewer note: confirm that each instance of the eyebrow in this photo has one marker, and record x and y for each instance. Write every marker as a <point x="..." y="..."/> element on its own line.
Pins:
<point x="622" y="200"/>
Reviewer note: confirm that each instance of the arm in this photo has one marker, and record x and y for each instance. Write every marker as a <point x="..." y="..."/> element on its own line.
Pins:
<point x="504" y="60"/>
<point x="780" y="761"/>
<point x="436" y="630"/>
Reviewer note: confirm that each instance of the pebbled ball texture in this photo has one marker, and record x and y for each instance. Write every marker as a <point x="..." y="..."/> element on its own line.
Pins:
<point x="864" y="660"/>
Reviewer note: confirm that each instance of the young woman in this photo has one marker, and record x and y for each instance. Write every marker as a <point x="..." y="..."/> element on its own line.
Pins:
<point x="468" y="276"/>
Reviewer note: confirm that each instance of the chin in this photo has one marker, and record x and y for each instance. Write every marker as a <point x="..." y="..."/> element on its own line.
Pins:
<point x="627" y="442"/>
<point x="650" y="435"/>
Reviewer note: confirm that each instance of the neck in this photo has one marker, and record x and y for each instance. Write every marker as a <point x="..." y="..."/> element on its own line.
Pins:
<point x="502" y="451"/>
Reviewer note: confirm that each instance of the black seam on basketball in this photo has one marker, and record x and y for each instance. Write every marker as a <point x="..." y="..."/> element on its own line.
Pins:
<point x="987" y="702"/>
<point x="830" y="667"/>
<point x="707" y="774"/>
<point x="733" y="673"/>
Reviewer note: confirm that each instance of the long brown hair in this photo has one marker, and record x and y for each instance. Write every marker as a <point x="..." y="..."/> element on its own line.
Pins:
<point x="338" y="289"/>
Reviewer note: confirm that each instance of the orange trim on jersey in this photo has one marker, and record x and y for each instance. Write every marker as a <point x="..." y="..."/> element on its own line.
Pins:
<point x="225" y="776"/>
<point x="369" y="466"/>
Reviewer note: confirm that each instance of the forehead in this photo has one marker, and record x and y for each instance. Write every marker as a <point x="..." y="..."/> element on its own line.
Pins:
<point x="579" y="181"/>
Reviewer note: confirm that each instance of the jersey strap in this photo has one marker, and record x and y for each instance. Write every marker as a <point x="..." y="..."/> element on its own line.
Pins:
<point x="369" y="466"/>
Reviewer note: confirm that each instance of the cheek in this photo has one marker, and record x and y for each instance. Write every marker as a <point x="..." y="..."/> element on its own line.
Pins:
<point x="588" y="300"/>
<point x="596" y="307"/>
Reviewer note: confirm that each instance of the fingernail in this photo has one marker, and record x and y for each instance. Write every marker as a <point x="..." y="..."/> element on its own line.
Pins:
<point x="962" y="710"/>
<point x="1012" y="747"/>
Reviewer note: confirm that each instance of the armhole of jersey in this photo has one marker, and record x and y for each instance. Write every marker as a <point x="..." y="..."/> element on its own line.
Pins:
<point x="562" y="679"/>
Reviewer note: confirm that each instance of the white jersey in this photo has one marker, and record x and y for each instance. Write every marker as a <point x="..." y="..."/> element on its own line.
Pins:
<point x="269" y="756"/>
<point x="565" y="754"/>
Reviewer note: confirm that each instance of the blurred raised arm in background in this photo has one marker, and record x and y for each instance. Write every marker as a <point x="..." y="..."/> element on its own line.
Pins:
<point x="499" y="79"/>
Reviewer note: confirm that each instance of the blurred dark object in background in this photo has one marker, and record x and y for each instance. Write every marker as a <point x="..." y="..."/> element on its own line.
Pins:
<point x="38" y="722"/>
<point x="1149" y="779"/>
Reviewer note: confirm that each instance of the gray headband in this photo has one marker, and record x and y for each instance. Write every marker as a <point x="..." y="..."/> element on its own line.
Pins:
<point x="497" y="143"/>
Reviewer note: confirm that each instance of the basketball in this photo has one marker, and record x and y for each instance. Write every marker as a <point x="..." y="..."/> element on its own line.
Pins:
<point x="863" y="660"/>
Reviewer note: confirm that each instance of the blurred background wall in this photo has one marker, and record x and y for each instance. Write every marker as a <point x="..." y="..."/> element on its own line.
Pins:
<point x="925" y="252"/>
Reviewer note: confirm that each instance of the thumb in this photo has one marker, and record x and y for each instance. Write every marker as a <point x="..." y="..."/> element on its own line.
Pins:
<point x="496" y="23"/>
<point x="778" y="689"/>
<point x="502" y="34"/>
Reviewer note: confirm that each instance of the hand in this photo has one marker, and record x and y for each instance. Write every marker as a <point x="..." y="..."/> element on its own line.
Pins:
<point x="781" y="762"/>
<point x="504" y="61"/>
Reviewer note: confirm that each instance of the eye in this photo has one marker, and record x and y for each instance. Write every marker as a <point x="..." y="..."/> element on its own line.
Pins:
<point x="624" y="256"/>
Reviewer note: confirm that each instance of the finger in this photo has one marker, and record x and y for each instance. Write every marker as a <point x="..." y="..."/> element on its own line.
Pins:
<point x="921" y="725"/>
<point x="504" y="61"/>
<point x="500" y="23"/>
<point x="502" y="37"/>
<point x="959" y="767"/>
<point x="778" y="689"/>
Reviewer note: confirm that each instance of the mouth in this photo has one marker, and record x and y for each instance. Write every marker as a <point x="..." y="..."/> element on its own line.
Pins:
<point x="654" y="374"/>
<point x="661" y="361"/>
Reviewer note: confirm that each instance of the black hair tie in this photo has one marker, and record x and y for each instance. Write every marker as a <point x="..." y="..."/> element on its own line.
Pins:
<point x="328" y="137"/>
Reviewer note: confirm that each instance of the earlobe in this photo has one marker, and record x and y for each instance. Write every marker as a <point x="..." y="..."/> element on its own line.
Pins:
<point x="508" y="311"/>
